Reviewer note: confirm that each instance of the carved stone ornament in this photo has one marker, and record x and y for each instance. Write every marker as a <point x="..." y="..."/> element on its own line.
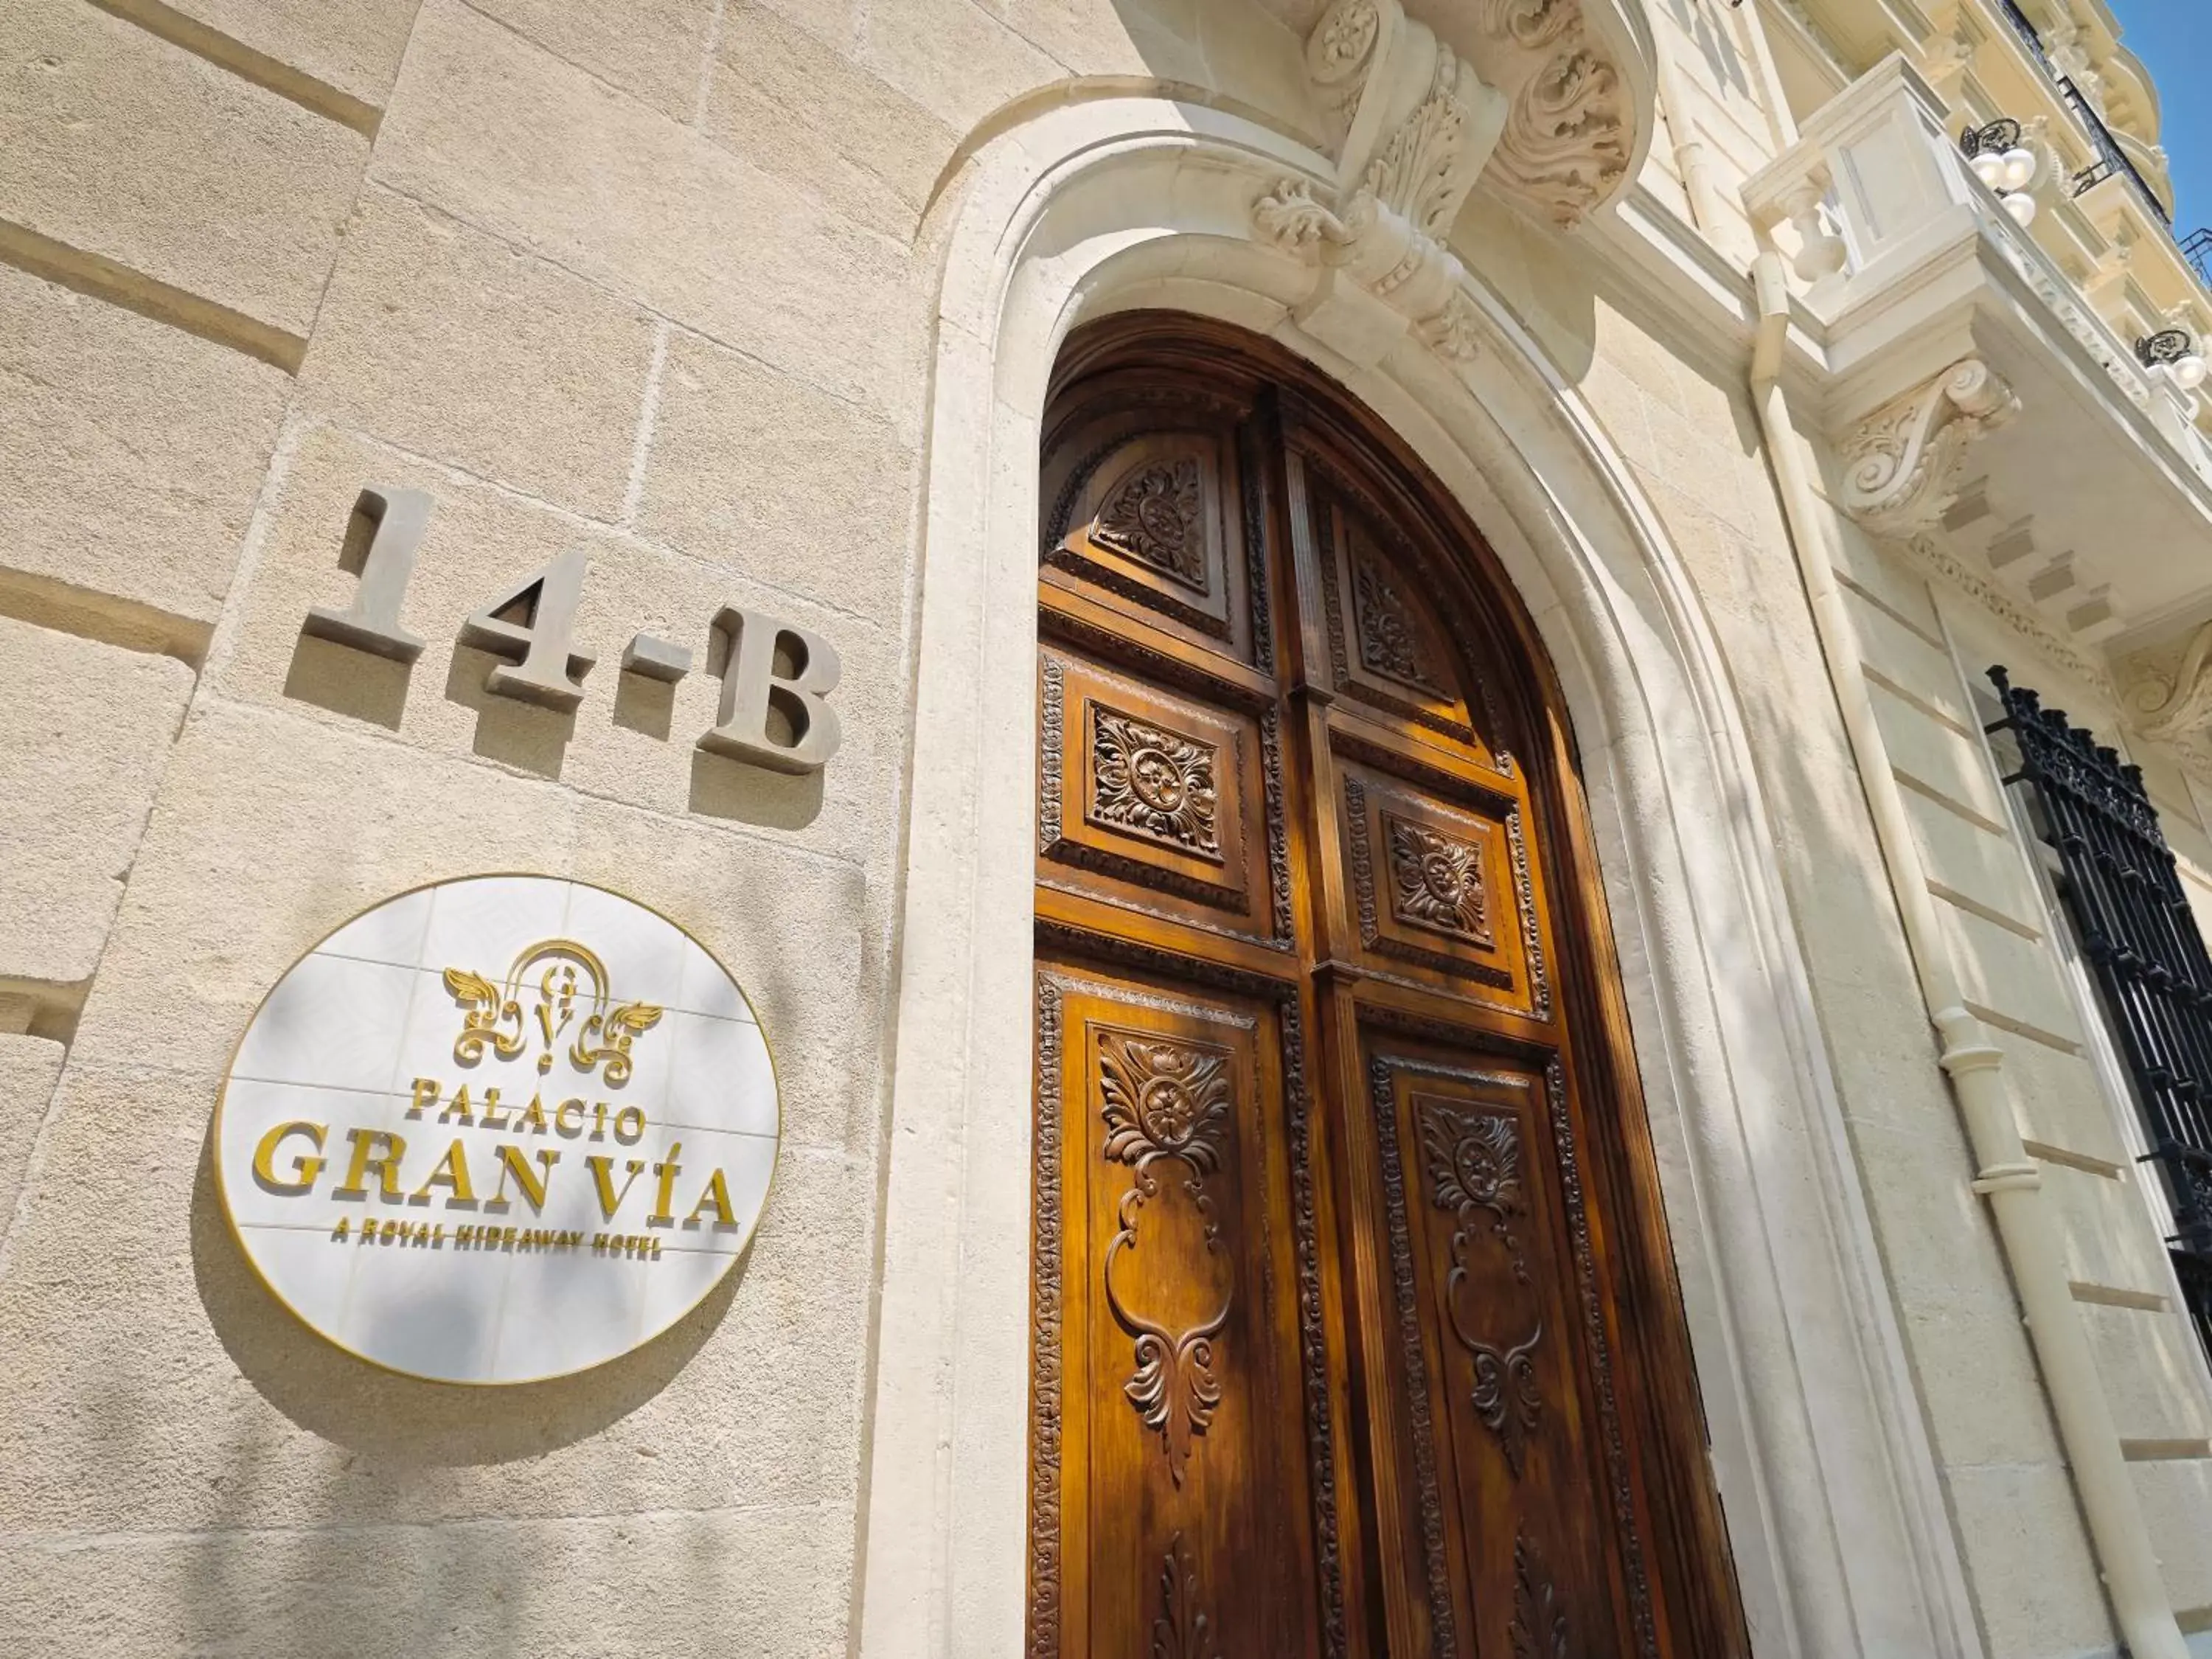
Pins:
<point x="1903" y="464"/>
<point x="2173" y="703"/>
<point x="1380" y="238"/>
<point x="1945" y="56"/>
<point x="1533" y="105"/>
<point x="1162" y="1102"/>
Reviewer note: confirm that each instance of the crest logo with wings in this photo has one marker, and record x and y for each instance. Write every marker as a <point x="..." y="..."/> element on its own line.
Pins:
<point x="561" y="981"/>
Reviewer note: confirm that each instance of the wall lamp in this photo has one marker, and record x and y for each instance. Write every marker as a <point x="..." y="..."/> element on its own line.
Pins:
<point x="2003" y="163"/>
<point x="2171" y="354"/>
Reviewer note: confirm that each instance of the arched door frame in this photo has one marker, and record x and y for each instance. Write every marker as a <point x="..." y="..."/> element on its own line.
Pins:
<point x="1834" y="1514"/>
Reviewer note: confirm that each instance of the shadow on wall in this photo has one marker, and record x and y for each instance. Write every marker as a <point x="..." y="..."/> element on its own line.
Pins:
<point x="329" y="1393"/>
<point x="1723" y="62"/>
<point x="409" y="1560"/>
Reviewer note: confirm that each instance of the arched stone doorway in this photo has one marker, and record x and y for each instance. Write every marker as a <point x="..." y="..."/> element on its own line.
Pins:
<point x="1354" y="1326"/>
<point x="1110" y="202"/>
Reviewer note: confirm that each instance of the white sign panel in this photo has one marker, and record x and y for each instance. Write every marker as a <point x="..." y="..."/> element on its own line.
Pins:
<point x="498" y="1130"/>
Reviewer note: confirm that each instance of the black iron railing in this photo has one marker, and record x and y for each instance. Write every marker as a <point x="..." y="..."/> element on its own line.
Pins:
<point x="2197" y="248"/>
<point x="2110" y="158"/>
<point x="2123" y="894"/>
<point x="2196" y="1275"/>
<point x="2022" y="27"/>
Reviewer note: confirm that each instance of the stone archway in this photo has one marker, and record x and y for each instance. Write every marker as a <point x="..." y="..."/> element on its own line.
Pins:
<point x="1837" y="1527"/>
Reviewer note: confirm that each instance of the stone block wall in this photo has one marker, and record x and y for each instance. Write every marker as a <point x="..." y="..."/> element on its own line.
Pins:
<point x="654" y="283"/>
<point x="1928" y="643"/>
<point x="651" y="282"/>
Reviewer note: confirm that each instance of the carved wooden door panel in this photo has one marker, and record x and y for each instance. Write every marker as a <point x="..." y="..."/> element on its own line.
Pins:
<point x="1487" y="1371"/>
<point x="1354" y="1331"/>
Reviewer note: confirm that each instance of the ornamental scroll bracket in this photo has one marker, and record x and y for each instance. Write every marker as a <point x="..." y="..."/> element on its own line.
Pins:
<point x="2174" y="703"/>
<point x="1526" y="97"/>
<point x="1902" y="464"/>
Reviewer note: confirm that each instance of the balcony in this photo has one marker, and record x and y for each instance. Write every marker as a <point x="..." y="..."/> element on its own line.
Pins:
<point x="2112" y="161"/>
<point x="2091" y="501"/>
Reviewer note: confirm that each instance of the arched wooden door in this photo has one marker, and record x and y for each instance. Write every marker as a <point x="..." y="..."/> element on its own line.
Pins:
<point x="1354" y="1327"/>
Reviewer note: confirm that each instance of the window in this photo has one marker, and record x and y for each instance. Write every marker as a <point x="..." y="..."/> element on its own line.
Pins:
<point x="2116" y="878"/>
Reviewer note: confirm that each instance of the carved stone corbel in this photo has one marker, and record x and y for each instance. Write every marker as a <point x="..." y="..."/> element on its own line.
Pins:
<point x="1416" y="126"/>
<point x="1567" y="138"/>
<point x="1524" y="96"/>
<point x="1949" y="50"/>
<point x="2176" y="702"/>
<point x="1902" y="464"/>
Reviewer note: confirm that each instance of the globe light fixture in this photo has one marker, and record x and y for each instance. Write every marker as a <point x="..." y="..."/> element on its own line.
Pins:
<point x="2172" y="356"/>
<point x="2004" y="164"/>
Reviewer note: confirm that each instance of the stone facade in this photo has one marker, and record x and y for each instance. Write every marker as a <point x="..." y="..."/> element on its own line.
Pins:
<point x="752" y="303"/>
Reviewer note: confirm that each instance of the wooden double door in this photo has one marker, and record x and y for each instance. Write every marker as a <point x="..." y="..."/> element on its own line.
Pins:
<point x="1354" y="1329"/>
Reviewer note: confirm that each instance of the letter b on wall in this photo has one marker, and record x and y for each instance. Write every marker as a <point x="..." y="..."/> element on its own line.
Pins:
<point x="774" y="682"/>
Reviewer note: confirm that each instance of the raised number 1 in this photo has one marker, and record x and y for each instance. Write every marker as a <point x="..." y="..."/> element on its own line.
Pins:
<point x="371" y="623"/>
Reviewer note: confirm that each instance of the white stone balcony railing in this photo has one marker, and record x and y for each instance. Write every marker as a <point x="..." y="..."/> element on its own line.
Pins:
<point x="1969" y="387"/>
<point x="1875" y="202"/>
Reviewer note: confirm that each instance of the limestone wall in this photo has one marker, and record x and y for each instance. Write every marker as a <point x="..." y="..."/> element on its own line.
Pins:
<point x="1928" y="645"/>
<point x="655" y="282"/>
<point x="648" y="281"/>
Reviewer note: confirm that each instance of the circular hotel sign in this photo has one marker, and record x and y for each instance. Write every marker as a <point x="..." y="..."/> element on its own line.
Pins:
<point x="498" y="1130"/>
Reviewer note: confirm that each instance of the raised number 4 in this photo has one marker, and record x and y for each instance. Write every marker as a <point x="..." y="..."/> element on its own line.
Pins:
<point x="532" y="626"/>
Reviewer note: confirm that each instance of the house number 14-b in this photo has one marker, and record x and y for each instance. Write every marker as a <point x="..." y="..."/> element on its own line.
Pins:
<point x="775" y="683"/>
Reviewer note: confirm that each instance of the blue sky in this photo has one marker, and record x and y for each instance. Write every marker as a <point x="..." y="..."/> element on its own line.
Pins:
<point x="2174" y="39"/>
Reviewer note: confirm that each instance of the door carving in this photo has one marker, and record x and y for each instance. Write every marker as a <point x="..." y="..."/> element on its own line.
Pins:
<point x="1353" y="1327"/>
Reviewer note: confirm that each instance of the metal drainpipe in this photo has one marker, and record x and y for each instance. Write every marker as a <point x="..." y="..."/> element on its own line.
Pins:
<point x="2006" y="1176"/>
<point x="1689" y="150"/>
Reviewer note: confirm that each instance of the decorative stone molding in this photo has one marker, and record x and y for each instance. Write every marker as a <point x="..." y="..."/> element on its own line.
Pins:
<point x="2069" y="47"/>
<point x="2170" y="705"/>
<point x="1417" y="126"/>
<point x="1945" y="56"/>
<point x="2022" y="620"/>
<point x="1566" y="142"/>
<point x="1904" y="461"/>
<point x="2173" y="702"/>
<point x="1538" y="111"/>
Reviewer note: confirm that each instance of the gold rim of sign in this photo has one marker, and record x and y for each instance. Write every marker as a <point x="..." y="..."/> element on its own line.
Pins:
<point x="222" y="1184"/>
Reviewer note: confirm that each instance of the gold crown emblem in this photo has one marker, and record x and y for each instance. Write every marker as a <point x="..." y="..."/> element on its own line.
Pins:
<point x="569" y="979"/>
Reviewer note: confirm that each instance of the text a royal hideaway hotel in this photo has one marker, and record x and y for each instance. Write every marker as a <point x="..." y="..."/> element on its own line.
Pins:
<point x="1102" y="830"/>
